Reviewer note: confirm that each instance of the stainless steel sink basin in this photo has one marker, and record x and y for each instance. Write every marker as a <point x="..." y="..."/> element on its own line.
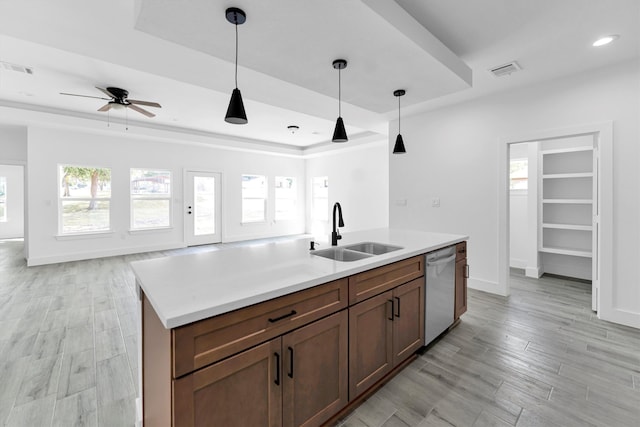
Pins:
<point x="341" y="254"/>
<point x="372" y="248"/>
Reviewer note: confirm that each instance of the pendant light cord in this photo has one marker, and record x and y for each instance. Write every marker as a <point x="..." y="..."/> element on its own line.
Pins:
<point x="236" y="53"/>
<point x="339" y="92"/>
<point x="398" y="115"/>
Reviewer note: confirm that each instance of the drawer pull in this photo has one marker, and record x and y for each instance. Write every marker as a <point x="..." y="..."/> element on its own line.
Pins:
<point x="290" y="363"/>
<point x="398" y="313"/>
<point x="284" y="316"/>
<point x="392" y="309"/>
<point x="277" y="381"/>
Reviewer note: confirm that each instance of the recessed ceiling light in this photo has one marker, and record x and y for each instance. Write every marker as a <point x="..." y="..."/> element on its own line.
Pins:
<point x="293" y="128"/>
<point x="602" y="41"/>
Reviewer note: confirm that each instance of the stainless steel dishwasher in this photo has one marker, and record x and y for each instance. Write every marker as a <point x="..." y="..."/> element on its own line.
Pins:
<point x="440" y="292"/>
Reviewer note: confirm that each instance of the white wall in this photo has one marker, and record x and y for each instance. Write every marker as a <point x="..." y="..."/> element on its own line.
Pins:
<point x="359" y="180"/>
<point x="49" y="147"/>
<point x="14" y="226"/>
<point x="453" y="153"/>
<point x="13" y="144"/>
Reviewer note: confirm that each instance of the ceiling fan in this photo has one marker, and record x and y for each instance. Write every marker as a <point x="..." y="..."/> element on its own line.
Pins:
<point x="118" y="98"/>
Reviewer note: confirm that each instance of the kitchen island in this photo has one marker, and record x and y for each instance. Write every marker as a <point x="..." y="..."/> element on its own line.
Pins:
<point x="275" y="335"/>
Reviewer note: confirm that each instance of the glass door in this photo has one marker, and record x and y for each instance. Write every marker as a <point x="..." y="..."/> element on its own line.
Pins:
<point x="203" y="208"/>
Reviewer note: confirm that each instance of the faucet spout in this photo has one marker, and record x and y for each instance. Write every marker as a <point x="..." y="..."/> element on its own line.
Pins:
<point x="335" y="234"/>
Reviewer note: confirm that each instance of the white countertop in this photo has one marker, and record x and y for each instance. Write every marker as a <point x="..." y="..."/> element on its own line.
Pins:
<point x="187" y="288"/>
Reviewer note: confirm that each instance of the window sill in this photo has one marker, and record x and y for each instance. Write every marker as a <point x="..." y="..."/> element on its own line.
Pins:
<point x="82" y="236"/>
<point x="262" y="221"/>
<point x="150" y="230"/>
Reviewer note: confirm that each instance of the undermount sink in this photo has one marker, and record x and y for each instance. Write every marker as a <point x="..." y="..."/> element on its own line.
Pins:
<point x="356" y="251"/>
<point x="372" y="248"/>
<point x="341" y="254"/>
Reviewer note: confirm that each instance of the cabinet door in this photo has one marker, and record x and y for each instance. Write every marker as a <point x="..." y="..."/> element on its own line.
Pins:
<point x="408" y="319"/>
<point x="461" y="288"/>
<point x="370" y="342"/>
<point x="315" y="371"/>
<point x="243" y="390"/>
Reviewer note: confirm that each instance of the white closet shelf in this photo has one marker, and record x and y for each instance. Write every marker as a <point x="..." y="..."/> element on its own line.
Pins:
<point x="569" y="201"/>
<point x="567" y="150"/>
<point x="568" y="175"/>
<point x="568" y="226"/>
<point x="566" y="251"/>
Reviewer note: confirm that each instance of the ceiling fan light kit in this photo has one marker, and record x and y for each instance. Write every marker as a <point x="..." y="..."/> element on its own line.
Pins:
<point x="339" y="133"/>
<point x="235" y="112"/>
<point x="398" y="148"/>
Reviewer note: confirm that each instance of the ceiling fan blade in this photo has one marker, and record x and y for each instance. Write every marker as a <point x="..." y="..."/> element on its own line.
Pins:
<point x="84" y="96"/>
<point x="145" y="103"/>
<point x="141" y="110"/>
<point x="105" y="107"/>
<point x="106" y="92"/>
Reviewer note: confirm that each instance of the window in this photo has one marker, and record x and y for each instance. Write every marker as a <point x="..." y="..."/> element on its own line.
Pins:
<point x="286" y="197"/>
<point x="519" y="174"/>
<point x="150" y="199"/>
<point x="320" y="198"/>
<point x="254" y="198"/>
<point x="3" y="199"/>
<point x="85" y="199"/>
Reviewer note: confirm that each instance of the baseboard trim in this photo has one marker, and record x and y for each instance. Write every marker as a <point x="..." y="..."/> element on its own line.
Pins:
<point x="518" y="263"/>
<point x="535" y="272"/>
<point x="487" y="286"/>
<point x="55" y="259"/>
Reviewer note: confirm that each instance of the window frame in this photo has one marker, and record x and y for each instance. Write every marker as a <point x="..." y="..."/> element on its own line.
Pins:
<point x="163" y="196"/>
<point x="264" y="199"/>
<point x="62" y="199"/>
<point x="293" y="197"/>
<point x="314" y="198"/>
<point x="518" y="190"/>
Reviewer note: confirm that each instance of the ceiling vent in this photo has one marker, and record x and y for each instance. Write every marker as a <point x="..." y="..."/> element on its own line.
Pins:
<point x="505" y="69"/>
<point x="17" y="68"/>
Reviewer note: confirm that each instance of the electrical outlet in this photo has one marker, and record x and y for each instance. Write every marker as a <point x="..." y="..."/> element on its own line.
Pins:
<point x="435" y="202"/>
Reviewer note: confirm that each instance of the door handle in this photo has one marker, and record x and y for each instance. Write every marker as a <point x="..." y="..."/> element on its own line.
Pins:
<point x="398" y="313"/>
<point x="290" y="374"/>
<point x="466" y="271"/>
<point x="277" y="380"/>
<point x="392" y="310"/>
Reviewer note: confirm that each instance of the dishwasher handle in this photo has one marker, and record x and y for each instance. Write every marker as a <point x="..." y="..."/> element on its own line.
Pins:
<point x="440" y="261"/>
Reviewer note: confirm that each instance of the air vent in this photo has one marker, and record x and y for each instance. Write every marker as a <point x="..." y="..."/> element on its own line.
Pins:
<point x="505" y="69"/>
<point x="15" y="67"/>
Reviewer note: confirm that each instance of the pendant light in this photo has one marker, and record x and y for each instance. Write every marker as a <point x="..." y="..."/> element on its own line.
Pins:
<point x="339" y="133"/>
<point x="399" y="147"/>
<point x="235" y="112"/>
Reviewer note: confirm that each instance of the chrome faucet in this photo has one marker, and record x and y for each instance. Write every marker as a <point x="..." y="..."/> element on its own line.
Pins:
<point x="335" y="234"/>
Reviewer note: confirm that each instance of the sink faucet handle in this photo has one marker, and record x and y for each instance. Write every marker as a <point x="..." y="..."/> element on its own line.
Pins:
<point x="339" y="236"/>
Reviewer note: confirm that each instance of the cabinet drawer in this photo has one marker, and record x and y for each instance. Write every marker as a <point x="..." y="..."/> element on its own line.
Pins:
<point x="373" y="282"/>
<point x="202" y="343"/>
<point x="461" y="251"/>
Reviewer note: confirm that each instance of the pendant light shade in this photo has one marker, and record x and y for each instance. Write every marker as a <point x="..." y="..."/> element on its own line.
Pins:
<point x="339" y="133"/>
<point x="235" y="113"/>
<point x="398" y="148"/>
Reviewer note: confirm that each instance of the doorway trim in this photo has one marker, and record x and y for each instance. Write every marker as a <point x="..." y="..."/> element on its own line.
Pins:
<point x="604" y="132"/>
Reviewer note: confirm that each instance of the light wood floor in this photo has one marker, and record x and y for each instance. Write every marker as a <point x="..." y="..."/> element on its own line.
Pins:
<point x="539" y="358"/>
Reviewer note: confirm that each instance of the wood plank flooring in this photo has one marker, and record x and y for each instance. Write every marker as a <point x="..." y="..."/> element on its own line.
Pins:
<point x="68" y="355"/>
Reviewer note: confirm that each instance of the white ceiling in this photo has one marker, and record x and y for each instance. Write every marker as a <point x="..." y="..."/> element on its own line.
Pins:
<point x="180" y="53"/>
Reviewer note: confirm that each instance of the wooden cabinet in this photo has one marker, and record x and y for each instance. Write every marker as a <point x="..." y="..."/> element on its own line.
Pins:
<point x="299" y="379"/>
<point x="297" y="360"/>
<point x="315" y="367"/>
<point x="462" y="273"/>
<point x="384" y="331"/>
<point x="243" y="390"/>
